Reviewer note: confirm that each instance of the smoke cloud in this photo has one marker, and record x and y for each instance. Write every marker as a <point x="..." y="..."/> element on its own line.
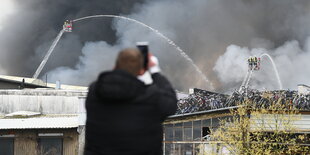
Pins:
<point x="291" y="61"/>
<point x="218" y="35"/>
<point x="27" y="33"/>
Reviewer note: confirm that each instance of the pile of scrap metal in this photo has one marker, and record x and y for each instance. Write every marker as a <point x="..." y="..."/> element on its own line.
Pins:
<point x="197" y="102"/>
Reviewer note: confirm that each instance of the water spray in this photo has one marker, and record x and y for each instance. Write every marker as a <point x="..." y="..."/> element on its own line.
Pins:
<point x="159" y="34"/>
<point x="254" y="64"/>
<point x="274" y="68"/>
<point x="68" y="28"/>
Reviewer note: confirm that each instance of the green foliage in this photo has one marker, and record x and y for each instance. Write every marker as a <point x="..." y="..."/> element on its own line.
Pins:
<point x="260" y="130"/>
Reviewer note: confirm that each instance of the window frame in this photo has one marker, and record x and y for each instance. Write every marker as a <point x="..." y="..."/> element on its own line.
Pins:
<point x="9" y="137"/>
<point x="50" y="137"/>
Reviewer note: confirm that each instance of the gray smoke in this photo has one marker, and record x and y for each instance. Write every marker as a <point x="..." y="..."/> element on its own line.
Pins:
<point x="205" y="29"/>
<point x="26" y="34"/>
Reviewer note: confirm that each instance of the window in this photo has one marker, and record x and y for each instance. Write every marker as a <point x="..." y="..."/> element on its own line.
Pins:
<point x="188" y="134"/>
<point x="197" y="130"/>
<point x="206" y="123"/>
<point x="188" y="131"/>
<point x="178" y="149"/>
<point x="205" y="131"/>
<point x="50" y="146"/>
<point x="188" y="149"/>
<point x="169" y="132"/>
<point x="215" y="122"/>
<point x="6" y="146"/>
<point x="178" y="132"/>
<point x="168" y="148"/>
<point x="206" y="127"/>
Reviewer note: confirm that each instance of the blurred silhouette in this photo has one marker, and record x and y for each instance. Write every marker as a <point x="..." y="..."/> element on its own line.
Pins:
<point x="124" y="112"/>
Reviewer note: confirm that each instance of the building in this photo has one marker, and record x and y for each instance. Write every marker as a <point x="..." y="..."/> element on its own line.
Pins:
<point x="40" y="119"/>
<point x="188" y="133"/>
<point x="183" y="134"/>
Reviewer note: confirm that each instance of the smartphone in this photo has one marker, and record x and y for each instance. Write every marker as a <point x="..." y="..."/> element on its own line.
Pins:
<point x="144" y="49"/>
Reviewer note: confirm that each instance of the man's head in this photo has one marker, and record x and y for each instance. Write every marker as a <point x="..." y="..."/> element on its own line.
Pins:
<point x="130" y="60"/>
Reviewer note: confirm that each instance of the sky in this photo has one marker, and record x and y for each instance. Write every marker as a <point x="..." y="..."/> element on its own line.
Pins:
<point x="218" y="35"/>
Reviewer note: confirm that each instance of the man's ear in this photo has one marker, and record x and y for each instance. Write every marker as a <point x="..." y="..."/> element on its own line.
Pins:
<point x="141" y="71"/>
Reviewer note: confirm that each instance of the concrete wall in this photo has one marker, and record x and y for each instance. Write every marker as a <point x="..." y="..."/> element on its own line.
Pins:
<point x="299" y="123"/>
<point x="44" y="101"/>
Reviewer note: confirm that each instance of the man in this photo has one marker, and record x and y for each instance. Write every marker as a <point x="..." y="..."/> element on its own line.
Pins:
<point x="124" y="115"/>
<point x="255" y="63"/>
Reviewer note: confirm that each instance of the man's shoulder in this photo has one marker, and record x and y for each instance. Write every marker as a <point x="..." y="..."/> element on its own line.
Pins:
<point x="116" y="74"/>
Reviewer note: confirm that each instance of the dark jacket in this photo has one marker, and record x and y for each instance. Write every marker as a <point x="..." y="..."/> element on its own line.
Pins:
<point x="124" y="116"/>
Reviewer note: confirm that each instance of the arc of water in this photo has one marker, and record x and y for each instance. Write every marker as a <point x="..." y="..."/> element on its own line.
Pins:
<point x="161" y="35"/>
<point x="38" y="71"/>
<point x="274" y="68"/>
<point x="47" y="55"/>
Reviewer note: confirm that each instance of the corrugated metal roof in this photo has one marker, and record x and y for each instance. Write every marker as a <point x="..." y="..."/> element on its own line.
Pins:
<point x="44" y="122"/>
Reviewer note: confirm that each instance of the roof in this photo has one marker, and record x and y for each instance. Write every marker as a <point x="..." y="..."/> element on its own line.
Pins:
<point x="42" y="122"/>
<point x="22" y="114"/>
<point x="44" y="92"/>
<point x="202" y="112"/>
<point x="304" y="85"/>
<point x="38" y="82"/>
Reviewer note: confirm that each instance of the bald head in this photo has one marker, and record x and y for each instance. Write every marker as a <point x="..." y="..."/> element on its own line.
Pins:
<point x="130" y="60"/>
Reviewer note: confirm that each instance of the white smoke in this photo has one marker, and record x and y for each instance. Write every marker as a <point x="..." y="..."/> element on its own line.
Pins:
<point x="6" y="8"/>
<point x="96" y="57"/>
<point x="291" y="60"/>
<point x="2" y="71"/>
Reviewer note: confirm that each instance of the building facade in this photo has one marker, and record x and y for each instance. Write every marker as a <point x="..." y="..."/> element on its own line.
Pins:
<point x="42" y="121"/>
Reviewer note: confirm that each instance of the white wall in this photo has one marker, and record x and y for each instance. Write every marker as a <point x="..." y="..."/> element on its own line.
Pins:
<point x="44" y="101"/>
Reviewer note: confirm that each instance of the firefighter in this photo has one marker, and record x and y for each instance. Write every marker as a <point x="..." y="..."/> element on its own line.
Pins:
<point x="255" y="62"/>
<point x="250" y="63"/>
<point x="67" y="26"/>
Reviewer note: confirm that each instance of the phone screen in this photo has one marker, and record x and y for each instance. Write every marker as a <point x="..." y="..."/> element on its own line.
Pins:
<point x="143" y="47"/>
